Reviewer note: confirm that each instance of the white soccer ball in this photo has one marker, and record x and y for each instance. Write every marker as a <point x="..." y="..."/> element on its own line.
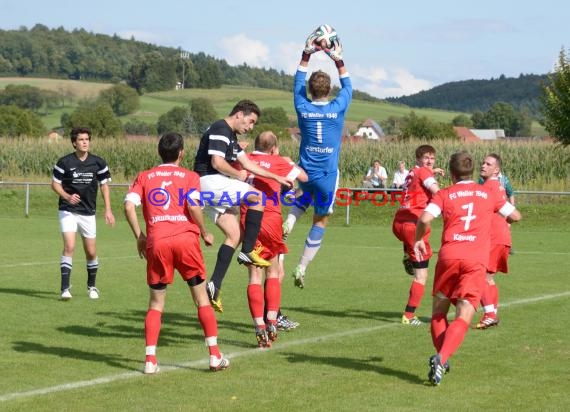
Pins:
<point x="327" y="36"/>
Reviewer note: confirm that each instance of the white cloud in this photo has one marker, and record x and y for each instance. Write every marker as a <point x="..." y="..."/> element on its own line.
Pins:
<point x="377" y="81"/>
<point x="241" y="49"/>
<point x="392" y="82"/>
<point x="289" y="55"/>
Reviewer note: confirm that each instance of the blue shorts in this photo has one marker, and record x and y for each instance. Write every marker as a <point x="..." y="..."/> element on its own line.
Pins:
<point x="320" y="193"/>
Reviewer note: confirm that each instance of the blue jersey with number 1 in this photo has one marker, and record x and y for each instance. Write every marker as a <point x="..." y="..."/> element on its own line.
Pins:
<point x="321" y="125"/>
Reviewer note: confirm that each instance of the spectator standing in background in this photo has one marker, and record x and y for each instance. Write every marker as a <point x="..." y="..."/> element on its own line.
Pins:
<point x="376" y="176"/>
<point x="400" y="175"/>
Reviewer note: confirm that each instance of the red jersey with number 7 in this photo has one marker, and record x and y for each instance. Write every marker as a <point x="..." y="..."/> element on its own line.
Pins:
<point x="467" y="209"/>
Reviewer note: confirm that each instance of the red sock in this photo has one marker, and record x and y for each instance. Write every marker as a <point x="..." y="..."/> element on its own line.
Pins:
<point x="486" y="295"/>
<point x="209" y="324"/>
<point x="453" y="338"/>
<point x="416" y="295"/>
<point x="152" y="324"/>
<point x="439" y="325"/>
<point x="490" y="297"/>
<point x="255" y="301"/>
<point x="272" y="298"/>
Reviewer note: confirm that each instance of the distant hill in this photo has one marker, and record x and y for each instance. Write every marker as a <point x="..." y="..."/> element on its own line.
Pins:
<point x="472" y="95"/>
<point x="81" y="55"/>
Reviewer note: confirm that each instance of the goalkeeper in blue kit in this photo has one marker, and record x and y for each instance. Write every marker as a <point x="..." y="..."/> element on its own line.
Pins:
<point x="321" y="122"/>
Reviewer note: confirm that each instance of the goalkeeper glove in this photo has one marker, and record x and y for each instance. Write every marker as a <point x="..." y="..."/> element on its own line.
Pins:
<point x="310" y="45"/>
<point x="335" y="52"/>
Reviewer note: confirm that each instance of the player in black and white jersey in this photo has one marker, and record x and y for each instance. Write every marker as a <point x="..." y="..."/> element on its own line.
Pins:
<point x="76" y="179"/>
<point x="224" y="188"/>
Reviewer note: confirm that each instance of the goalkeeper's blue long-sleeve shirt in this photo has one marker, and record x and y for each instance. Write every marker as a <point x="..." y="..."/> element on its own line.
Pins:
<point x="321" y="125"/>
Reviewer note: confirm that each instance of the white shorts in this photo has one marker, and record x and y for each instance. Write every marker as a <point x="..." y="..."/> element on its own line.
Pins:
<point x="70" y="222"/>
<point x="220" y="194"/>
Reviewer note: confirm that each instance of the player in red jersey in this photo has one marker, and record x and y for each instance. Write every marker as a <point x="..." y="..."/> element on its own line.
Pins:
<point x="467" y="209"/>
<point x="170" y="198"/>
<point x="500" y="243"/>
<point x="420" y="185"/>
<point x="268" y="301"/>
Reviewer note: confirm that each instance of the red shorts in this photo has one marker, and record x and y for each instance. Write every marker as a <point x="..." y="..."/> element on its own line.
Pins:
<point x="271" y="236"/>
<point x="460" y="279"/>
<point x="499" y="259"/>
<point x="182" y="252"/>
<point x="406" y="233"/>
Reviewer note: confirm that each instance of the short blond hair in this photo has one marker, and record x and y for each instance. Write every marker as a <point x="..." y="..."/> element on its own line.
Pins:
<point x="319" y="84"/>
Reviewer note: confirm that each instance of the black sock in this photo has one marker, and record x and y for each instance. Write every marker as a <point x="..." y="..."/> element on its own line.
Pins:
<point x="92" y="273"/>
<point x="225" y="254"/>
<point x="65" y="268"/>
<point x="65" y="280"/>
<point x="252" y="226"/>
<point x="410" y="309"/>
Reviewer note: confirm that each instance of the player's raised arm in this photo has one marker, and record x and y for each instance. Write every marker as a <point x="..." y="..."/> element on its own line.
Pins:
<point x="335" y="53"/>
<point x="311" y="46"/>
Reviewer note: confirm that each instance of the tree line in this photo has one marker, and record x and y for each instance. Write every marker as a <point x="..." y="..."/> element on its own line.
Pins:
<point x="43" y="52"/>
<point x="20" y="107"/>
<point x="480" y="95"/>
<point x="57" y="53"/>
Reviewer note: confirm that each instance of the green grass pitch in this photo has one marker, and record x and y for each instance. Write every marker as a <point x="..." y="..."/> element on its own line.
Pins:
<point x="350" y="353"/>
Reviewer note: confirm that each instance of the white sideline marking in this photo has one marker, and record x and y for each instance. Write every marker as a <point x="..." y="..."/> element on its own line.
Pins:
<point x="56" y="263"/>
<point x="204" y="362"/>
<point x="535" y="299"/>
<point x="532" y="252"/>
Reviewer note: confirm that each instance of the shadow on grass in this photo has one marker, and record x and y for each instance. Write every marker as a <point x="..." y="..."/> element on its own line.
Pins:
<point x="138" y="316"/>
<point x="128" y="326"/>
<point x="350" y="313"/>
<point x="361" y="365"/>
<point x="176" y="328"/>
<point x="70" y="353"/>
<point x="29" y="293"/>
<point x="173" y="322"/>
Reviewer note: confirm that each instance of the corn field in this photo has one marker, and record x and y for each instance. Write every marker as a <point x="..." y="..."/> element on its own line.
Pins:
<point x="530" y="165"/>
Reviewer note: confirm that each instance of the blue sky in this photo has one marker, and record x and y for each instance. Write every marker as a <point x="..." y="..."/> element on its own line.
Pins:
<point x="392" y="49"/>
